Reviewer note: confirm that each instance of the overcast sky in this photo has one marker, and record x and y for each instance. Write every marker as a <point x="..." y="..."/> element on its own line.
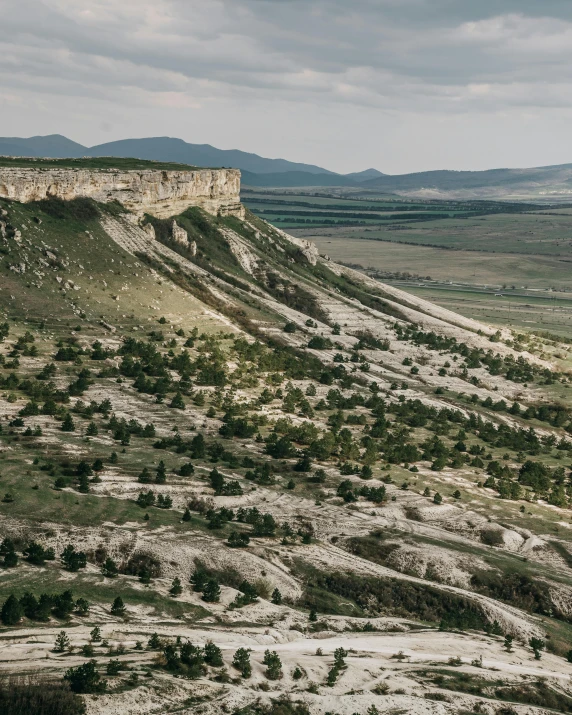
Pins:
<point x="399" y="85"/>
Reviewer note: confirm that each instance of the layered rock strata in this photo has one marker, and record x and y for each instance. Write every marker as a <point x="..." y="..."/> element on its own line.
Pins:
<point x="160" y="193"/>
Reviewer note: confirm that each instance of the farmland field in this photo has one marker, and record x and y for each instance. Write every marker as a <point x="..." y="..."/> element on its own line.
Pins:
<point x="459" y="262"/>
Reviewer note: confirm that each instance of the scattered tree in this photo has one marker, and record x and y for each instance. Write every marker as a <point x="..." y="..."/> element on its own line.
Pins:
<point x="12" y="611"/>
<point x="537" y="645"/>
<point x="118" y="607"/>
<point x="62" y="642"/>
<point x="211" y="591"/>
<point x="109" y="568"/>
<point x="241" y="661"/>
<point x="176" y="588"/>
<point x="273" y="665"/>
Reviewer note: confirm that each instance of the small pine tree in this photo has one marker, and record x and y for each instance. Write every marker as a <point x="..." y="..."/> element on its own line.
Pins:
<point x="68" y="424"/>
<point x="212" y="655"/>
<point x="12" y="611"/>
<point x="109" y="568"/>
<point x="154" y="643"/>
<point x="211" y="591"/>
<point x="339" y="658"/>
<point x="537" y="646"/>
<point x="73" y="560"/>
<point x="297" y="674"/>
<point x="145" y="576"/>
<point x="118" y="607"/>
<point x="113" y="667"/>
<point x="273" y="665"/>
<point x="176" y="588"/>
<point x="496" y="630"/>
<point x="276" y="597"/>
<point x="161" y="477"/>
<point x="437" y="499"/>
<point x="187" y="515"/>
<point x="95" y="635"/>
<point x="92" y="430"/>
<point x="177" y="402"/>
<point x="313" y="617"/>
<point x="62" y="642"/>
<point x="82" y="607"/>
<point x="508" y="643"/>
<point x="10" y="560"/>
<point x="198" y="580"/>
<point x="241" y="661"/>
<point x="426" y="492"/>
<point x="457" y="494"/>
<point x="145" y="476"/>
<point x="332" y="676"/>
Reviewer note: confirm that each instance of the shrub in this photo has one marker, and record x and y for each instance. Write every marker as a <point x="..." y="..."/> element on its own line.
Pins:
<point x="176" y="588"/>
<point x="317" y="342"/>
<point x="35" y="696"/>
<point x="81" y="208"/>
<point x="85" y="679"/>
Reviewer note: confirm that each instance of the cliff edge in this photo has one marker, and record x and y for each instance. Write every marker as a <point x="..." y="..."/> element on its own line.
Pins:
<point x="156" y="192"/>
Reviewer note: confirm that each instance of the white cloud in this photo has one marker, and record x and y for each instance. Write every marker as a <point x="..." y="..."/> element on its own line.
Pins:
<point x="281" y="70"/>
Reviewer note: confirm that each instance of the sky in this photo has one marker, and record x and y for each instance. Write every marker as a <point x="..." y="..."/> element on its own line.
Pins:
<point x="399" y="85"/>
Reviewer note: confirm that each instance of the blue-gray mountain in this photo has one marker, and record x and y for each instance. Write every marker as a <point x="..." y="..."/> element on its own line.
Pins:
<point x="263" y="172"/>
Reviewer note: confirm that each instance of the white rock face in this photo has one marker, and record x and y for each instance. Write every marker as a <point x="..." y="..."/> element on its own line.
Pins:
<point x="179" y="234"/>
<point x="159" y="193"/>
<point x="148" y="228"/>
<point x="308" y="249"/>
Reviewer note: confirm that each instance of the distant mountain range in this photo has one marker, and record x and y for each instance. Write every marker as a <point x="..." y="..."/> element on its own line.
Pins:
<point x="548" y="182"/>
<point x="258" y="170"/>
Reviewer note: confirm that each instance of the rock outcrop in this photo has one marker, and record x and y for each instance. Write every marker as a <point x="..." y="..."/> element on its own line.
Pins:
<point x="308" y="249"/>
<point x="179" y="234"/>
<point x="160" y="193"/>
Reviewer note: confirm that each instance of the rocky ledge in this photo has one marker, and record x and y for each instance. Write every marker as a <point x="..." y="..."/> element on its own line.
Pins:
<point x="159" y="193"/>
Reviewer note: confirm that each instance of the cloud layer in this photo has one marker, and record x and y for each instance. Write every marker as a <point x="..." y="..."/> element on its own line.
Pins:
<point x="400" y="84"/>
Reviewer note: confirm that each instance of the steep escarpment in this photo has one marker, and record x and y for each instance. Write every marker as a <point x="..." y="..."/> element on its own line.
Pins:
<point x="152" y="191"/>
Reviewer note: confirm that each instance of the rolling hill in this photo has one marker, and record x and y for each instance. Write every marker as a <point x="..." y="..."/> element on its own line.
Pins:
<point x="238" y="477"/>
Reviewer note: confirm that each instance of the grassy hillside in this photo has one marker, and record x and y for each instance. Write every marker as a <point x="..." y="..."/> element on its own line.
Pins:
<point x="260" y="449"/>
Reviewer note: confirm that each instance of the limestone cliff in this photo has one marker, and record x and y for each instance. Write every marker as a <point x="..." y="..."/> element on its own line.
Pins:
<point x="160" y="193"/>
